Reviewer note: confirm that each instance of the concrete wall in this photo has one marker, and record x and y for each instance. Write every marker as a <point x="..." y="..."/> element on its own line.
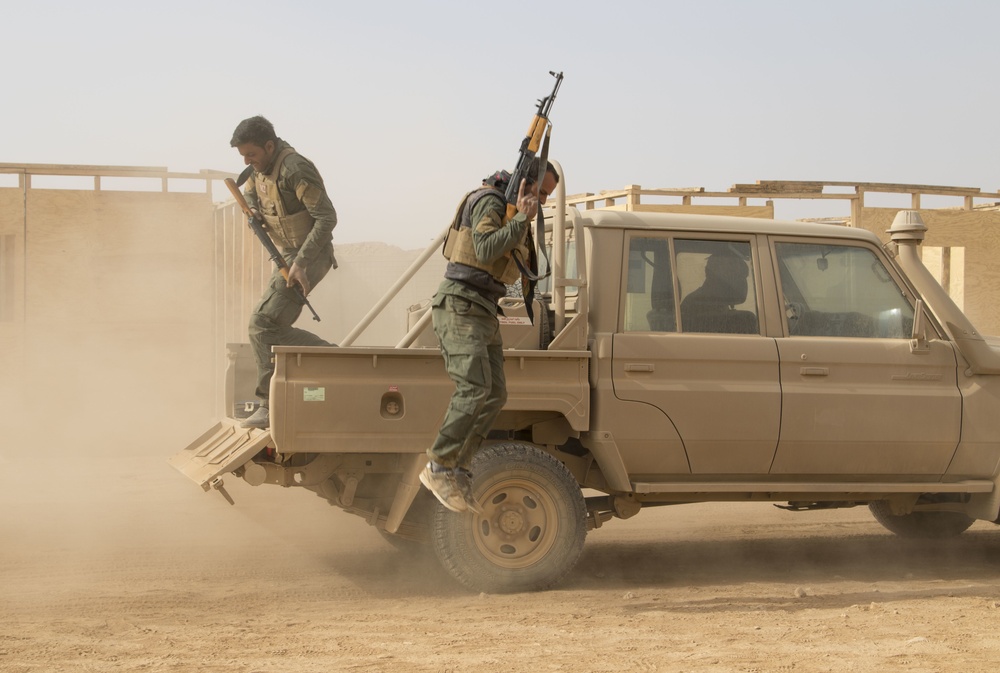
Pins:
<point x="12" y="332"/>
<point x="113" y="302"/>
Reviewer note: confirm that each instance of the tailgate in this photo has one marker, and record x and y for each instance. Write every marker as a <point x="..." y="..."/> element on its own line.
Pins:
<point x="393" y="400"/>
<point x="225" y="447"/>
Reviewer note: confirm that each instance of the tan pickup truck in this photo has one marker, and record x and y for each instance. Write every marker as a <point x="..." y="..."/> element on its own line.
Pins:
<point x="683" y="359"/>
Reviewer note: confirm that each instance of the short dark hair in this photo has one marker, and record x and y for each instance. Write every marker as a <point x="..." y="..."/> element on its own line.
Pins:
<point x="532" y="174"/>
<point x="255" y="130"/>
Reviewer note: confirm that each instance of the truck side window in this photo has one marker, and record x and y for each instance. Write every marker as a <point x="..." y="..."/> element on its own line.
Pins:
<point x="840" y="291"/>
<point x="716" y="287"/>
<point x="649" y="299"/>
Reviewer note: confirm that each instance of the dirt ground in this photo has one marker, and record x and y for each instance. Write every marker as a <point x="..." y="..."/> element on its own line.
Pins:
<point x="124" y="565"/>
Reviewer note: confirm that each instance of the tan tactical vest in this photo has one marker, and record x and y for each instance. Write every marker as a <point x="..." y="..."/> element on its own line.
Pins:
<point x="459" y="249"/>
<point x="287" y="231"/>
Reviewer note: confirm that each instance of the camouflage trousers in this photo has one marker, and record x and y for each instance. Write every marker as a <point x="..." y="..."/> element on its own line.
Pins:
<point x="473" y="355"/>
<point x="276" y="312"/>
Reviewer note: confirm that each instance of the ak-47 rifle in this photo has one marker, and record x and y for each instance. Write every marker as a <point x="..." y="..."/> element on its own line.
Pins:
<point x="540" y="127"/>
<point x="258" y="229"/>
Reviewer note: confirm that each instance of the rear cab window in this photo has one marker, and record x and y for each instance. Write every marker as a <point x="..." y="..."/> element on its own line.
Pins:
<point x="690" y="285"/>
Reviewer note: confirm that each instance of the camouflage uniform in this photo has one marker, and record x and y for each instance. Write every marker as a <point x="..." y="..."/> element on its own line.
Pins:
<point x="465" y="321"/>
<point x="300" y="221"/>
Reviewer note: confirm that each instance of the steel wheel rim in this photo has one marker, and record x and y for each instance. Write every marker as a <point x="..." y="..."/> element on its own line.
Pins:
<point x="519" y="525"/>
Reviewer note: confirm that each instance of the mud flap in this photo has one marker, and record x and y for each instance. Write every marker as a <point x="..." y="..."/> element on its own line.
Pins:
<point x="224" y="448"/>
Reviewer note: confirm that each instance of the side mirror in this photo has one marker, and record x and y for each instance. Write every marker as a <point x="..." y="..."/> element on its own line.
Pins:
<point x="918" y="335"/>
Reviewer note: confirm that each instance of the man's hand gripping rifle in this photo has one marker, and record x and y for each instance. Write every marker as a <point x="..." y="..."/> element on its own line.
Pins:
<point x="258" y="229"/>
<point x="538" y="138"/>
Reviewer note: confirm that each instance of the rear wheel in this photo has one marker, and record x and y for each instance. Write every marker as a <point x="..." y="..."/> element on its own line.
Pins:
<point x="532" y="530"/>
<point x="920" y="524"/>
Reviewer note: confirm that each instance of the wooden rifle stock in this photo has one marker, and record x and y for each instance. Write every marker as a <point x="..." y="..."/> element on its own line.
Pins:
<point x="536" y="138"/>
<point x="537" y="131"/>
<point x="529" y="150"/>
<point x="258" y="230"/>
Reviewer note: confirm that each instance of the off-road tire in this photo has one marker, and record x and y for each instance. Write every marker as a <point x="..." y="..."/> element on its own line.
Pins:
<point x="545" y="320"/>
<point x="920" y="524"/>
<point x="533" y="527"/>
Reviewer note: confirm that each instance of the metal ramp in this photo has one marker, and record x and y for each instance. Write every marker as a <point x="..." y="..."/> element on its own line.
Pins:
<point x="223" y="448"/>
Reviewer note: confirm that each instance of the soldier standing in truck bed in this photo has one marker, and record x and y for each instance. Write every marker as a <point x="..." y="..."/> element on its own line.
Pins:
<point x="288" y="192"/>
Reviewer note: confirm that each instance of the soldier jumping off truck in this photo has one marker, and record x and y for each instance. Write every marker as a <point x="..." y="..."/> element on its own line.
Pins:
<point x="288" y="192"/>
<point x="464" y="311"/>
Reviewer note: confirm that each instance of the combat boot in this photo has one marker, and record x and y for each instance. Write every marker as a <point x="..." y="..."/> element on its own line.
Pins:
<point x="441" y="482"/>
<point x="464" y="480"/>
<point x="259" y="419"/>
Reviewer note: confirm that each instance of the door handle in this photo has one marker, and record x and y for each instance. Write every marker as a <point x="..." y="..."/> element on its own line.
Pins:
<point x="814" y="371"/>
<point x="638" y="367"/>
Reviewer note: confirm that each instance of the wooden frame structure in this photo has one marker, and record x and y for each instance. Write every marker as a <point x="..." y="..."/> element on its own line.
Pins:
<point x="26" y="171"/>
<point x="769" y="190"/>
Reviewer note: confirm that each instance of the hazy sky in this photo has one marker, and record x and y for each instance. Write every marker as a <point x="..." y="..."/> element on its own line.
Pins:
<point x="405" y="105"/>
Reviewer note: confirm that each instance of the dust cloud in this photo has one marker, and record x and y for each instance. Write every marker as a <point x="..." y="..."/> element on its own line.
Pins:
<point x="118" y="368"/>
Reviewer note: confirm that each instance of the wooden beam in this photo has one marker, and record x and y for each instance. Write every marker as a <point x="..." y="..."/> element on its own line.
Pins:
<point x="632" y="195"/>
<point x="673" y="191"/>
<point x="112" y="171"/>
<point x="857" y="205"/>
<point x="806" y="187"/>
<point x="780" y="186"/>
<point x="778" y="195"/>
<point x="923" y="189"/>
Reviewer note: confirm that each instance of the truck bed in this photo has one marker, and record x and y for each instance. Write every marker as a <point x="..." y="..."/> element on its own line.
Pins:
<point x="392" y="400"/>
